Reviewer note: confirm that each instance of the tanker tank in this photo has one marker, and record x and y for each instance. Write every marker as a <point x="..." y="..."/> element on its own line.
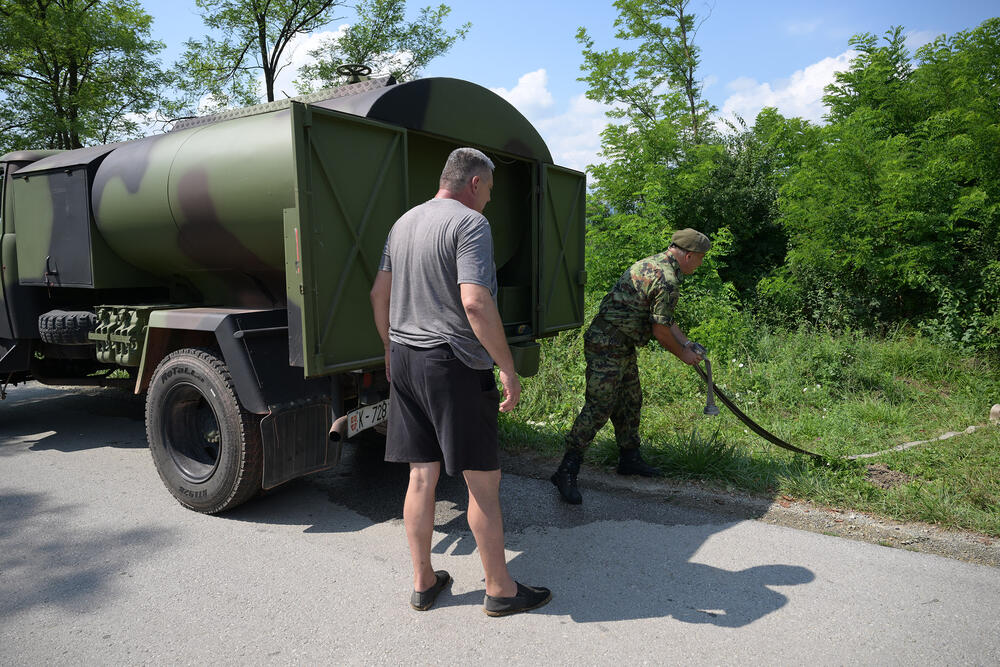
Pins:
<point x="205" y="203"/>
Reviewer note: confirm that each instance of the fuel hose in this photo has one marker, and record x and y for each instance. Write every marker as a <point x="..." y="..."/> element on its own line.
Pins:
<point x="754" y="426"/>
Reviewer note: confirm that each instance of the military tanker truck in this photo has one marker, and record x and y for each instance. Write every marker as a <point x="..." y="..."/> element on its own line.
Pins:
<point x="223" y="268"/>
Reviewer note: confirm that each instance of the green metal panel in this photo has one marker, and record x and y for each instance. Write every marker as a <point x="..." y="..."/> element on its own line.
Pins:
<point x="561" y="274"/>
<point x="34" y="204"/>
<point x="351" y="186"/>
<point x="54" y="249"/>
<point x="59" y="245"/>
<point x="6" y="330"/>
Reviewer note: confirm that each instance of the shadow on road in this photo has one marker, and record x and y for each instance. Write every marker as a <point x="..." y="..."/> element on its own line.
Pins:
<point x="616" y="557"/>
<point x="79" y="568"/>
<point x="632" y="570"/>
<point x="619" y="556"/>
<point x="70" y="418"/>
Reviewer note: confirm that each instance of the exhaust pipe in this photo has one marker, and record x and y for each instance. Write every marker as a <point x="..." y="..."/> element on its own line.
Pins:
<point x="338" y="431"/>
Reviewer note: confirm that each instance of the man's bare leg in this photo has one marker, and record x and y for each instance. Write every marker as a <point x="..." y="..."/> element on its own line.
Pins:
<point x="486" y="522"/>
<point x="418" y="517"/>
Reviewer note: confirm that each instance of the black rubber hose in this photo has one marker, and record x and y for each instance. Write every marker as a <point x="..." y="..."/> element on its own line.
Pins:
<point x="756" y="428"/>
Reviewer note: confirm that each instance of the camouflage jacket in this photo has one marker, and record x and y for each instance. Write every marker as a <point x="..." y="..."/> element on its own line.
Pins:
<point x="645" y="294"/>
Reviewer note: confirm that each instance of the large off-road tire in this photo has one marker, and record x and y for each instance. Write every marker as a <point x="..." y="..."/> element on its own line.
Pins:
<point x="206" y="447"/>
<point x="66" y="327"/>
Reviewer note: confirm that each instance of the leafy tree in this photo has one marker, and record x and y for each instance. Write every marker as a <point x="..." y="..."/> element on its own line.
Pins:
<point x="659" y="147"/>
<point x="896" y="215"/>
<point x="877" y="79"/>
<point x="665" y="58"/>
<point x="786" y="140"/>
<point x="254" y="35"/>
<point x="741" y="194"/>
<point x="74" y="72"/>
<point x="383" y="40"/>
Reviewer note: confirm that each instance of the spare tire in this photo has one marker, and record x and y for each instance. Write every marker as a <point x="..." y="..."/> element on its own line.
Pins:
<point x="64" y="327"/>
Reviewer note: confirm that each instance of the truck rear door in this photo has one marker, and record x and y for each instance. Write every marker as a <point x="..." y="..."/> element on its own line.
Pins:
<point x="561" y="274"/>
<point x="351" y="187"/>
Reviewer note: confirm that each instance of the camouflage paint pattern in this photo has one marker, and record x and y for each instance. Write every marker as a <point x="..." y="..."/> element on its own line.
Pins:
<point x="645" y="294"/>
<point x="286" y="206"/>
<point x="449" y="108"/>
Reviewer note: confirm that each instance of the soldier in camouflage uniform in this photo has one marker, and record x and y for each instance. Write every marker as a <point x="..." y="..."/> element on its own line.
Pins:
<point x="639" y="307"/>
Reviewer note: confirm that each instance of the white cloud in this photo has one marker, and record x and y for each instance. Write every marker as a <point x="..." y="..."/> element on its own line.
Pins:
<point x="574" y="137"/>
<point x="799" y="95"/>
<point x="530" y="94"/>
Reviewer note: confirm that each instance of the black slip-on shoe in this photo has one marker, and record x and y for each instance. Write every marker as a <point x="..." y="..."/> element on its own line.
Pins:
<point x="527" y="598"/>
<point x="424" y="600"/>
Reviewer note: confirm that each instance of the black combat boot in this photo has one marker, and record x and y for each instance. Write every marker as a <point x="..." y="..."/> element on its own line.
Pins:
<point x="565" y="477"/>
<point x="630" y="463"/>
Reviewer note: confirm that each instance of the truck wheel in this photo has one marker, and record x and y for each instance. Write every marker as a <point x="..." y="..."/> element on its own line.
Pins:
<point x="66" y="327"/>
<point x="206" y="447"/>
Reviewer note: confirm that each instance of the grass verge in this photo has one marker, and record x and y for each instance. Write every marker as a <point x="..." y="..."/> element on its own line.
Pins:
<point x="834" y="394"/>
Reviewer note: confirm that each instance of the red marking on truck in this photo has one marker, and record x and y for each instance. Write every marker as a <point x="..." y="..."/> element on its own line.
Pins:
<point x="298" y="253"/>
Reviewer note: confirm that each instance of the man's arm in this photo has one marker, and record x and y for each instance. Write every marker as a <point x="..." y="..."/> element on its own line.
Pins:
<point x="674" y="341"/>
<point x="379" y="297"/>
<point x="486" y="324"/>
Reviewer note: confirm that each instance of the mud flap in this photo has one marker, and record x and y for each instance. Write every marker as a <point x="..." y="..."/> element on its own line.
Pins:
<point x="296" y="442"/>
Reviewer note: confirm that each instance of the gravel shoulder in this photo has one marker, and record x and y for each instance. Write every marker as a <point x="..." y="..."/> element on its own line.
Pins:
<point x="919" y="537"/>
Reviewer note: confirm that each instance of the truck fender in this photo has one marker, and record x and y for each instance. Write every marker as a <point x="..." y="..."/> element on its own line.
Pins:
<point x="297" y="411"/>
<point x="253" y="343"/>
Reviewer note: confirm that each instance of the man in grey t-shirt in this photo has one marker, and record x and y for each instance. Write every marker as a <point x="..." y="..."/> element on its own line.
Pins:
<point x="443" y="244"/>
<point x="435" y="309"/>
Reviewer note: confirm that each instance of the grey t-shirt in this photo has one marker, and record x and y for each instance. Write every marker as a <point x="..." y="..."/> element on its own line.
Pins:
<point x="431" y="250"/>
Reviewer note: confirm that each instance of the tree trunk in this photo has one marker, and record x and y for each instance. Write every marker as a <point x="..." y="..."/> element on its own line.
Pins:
<point x="689" y="83"/>
<point x="264" y="60"/>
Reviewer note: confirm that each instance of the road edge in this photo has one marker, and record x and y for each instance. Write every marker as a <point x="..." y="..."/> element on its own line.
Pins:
<point x="968" y="546"/>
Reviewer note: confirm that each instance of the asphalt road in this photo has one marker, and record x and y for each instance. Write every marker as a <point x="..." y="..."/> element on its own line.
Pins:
<point x="99" y="565"/>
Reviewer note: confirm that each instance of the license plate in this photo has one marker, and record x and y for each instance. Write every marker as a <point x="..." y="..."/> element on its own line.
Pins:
<point x="367" y="416"/>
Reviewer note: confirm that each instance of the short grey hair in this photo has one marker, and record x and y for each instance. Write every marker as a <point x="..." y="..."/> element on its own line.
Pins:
<point x="462" y="165"/>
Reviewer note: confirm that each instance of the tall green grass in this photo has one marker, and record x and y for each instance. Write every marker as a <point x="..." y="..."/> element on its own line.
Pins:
<point x="835" y="394"/>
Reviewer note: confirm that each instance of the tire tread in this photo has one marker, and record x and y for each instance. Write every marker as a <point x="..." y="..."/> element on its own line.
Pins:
<point x="64" y="327"/>
<point x="250" y="472"/>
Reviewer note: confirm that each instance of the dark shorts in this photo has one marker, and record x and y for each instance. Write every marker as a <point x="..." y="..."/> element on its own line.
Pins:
<point x="441" y="410"/>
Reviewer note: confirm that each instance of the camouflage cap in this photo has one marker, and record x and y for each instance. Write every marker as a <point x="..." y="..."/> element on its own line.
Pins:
<point x="691" y="240"/>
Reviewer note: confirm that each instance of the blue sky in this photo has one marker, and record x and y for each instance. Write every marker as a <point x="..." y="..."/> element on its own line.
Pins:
<point x="778" y="53"/>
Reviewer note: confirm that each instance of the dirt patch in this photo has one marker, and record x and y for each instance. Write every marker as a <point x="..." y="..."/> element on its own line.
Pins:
<point x="884" y="477"/>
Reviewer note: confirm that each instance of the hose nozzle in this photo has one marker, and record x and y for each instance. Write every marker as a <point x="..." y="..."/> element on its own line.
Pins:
<point x="711" y="408"/>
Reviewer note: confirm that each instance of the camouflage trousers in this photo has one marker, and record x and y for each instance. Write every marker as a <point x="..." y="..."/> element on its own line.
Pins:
<point x="613" y="391"/>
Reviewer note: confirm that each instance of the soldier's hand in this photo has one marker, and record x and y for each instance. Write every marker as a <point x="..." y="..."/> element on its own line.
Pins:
<point x="511" y="390"/>
<point x="690" y="357"/>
